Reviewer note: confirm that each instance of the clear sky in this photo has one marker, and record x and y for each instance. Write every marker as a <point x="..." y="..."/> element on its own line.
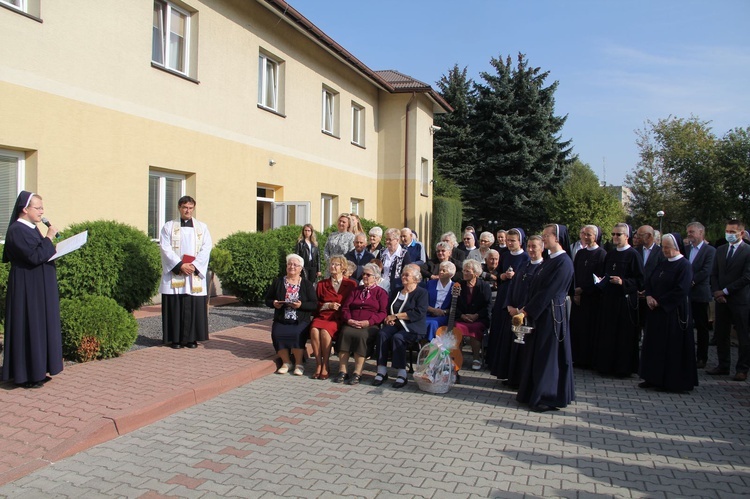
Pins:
<point x="618" y="63"/>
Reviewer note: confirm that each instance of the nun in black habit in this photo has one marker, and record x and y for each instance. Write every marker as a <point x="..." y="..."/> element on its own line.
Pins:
<point x="668" y="352"/>
<point x="547" y="380"/>
<point x="33" y="340"/>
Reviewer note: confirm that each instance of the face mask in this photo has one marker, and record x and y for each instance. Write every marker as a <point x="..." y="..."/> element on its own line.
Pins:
<point x="731" y="238"/>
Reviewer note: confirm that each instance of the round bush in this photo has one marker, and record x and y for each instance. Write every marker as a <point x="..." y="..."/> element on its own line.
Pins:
<point x="95" y="327"/>
<point x="118" y="261"/>
<point x="4" y="272"/>
<point x="255" y="263"/>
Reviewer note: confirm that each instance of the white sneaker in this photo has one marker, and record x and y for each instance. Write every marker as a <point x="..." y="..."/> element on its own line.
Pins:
<point x="283" y="369"/>
<point x="476" y="365"/>
<point x="299" y="370"/>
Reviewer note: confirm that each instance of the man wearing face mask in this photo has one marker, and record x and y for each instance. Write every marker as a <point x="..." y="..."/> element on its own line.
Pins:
<point x="730" y="285"/>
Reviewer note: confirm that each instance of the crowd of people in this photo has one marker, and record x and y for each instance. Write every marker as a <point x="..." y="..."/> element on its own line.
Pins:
<point x="630" y="309"/>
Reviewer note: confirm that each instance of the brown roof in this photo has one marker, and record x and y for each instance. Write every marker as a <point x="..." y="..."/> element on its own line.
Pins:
<point x="389" y="80"/>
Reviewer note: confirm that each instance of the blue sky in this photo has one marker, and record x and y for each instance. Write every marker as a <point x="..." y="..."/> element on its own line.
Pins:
<point x="618" y="63"/>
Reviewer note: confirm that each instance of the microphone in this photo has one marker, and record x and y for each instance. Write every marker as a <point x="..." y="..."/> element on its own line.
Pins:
<point x="48" y="224"/>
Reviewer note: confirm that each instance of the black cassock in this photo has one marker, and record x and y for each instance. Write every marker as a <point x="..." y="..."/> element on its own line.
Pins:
<point x="548" y="371"/>
<point x="619" y="332"/>
<point x="33" y="341"/>
<point x="584" y="318"/>
<point x="517" y="296"/>
<point x="668" y="352"/>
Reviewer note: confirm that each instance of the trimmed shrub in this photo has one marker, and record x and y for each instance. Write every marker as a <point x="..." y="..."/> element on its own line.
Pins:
<point x="95" y="327"/>
<point x="446" y="216"/>
<point x="118" y="261"/>
<point x="4" y="272"/>
<point x="255" y="263"/>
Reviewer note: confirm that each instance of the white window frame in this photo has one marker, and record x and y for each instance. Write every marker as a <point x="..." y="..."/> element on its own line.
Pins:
<point x="161" y="209"/>
<point x="326" y="213"/>
<point x="266" y="64"/>
<point x="329" y="123"/>
<point x="165" y="31"/>
<point x="358" y="125"/>
<point x="356" y="206"/>
<point x="20" y="5"/>
<point x="281" y="213"/>
<point x="425" y="177"/>
<point x="20" y="158"/>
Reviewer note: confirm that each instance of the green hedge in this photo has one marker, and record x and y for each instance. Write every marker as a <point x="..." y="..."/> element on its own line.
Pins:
<point x="447" y="214"/>
<point x="118" y="261"/>
<point x="95" y="327"/>
<point x="255" y="263"/>
<point x="4" y="272"/>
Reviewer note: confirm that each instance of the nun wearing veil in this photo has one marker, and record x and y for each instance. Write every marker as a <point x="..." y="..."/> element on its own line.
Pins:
<point x="668" y="352"/>
<point x="618" y="331"/>
<point x="547" y="379"/>
<point x="33" y="340"/>
<point x="500" y="338"/>
<point x="584" y="317"/>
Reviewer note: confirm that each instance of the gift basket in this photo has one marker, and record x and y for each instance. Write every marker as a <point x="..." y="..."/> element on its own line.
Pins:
<point x="434" y="372"/>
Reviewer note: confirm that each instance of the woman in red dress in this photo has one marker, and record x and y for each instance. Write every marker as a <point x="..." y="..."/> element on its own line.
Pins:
<point x="331" y="294"/>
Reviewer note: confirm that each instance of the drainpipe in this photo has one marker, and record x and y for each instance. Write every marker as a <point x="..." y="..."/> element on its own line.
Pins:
<point x="406" y="160"/>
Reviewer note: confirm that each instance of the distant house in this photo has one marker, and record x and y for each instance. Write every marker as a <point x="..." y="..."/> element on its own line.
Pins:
<point x="113" y="110"/>
<point x="623" y="194"/>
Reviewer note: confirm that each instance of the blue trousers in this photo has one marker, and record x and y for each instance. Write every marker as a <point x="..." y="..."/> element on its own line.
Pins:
<point x="394" y="339"/>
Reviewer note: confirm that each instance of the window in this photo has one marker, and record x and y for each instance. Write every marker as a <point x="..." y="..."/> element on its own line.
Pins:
<point x="425" y="178"/>
<point x="268" y="83"/>
<point x="291" y="213"/>
<point x="357" y="206"/>
<point x="264" y="198"/>
<point x="20" y="5"/>
<point x="28" y="8"/>
<point x="12" y="166"/>
<point x="164" y="190"/>
<point x="326" y="211"/>
<point x="358" y="125"/>
<point x="171" y="32"/>
<point x="330" y="111"/>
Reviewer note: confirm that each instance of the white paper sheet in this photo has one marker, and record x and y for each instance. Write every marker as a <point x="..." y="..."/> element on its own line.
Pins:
<point x="70" y="244"/>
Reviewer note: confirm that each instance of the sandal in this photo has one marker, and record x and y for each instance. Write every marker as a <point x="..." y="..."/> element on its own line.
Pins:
<point x="341" y="377"/>
<point x="354" y="380"/>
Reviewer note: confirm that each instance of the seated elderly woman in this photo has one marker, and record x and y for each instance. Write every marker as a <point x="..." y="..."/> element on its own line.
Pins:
<point x="473" y="309"/>
<point x="439" y="299"/>
<point x="405" y="323"/>
<point x="294" y="301"/>
<point x="431" y="268"/>
<point x="491" y="269"/>
<point x="361" y="313"/>
<point x="374" y="247"/>
<point x="456" y="252"/>
<point x="485" y="242"/>
<point x="331" y="293"/>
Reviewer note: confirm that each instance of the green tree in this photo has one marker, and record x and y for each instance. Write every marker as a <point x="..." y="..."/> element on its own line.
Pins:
<point x="454" y="145"/>
<point x="520" y="156"/>
<point x="581" y="200"/>
<point x="733" y="158"/>
<point x="445" y="187"/>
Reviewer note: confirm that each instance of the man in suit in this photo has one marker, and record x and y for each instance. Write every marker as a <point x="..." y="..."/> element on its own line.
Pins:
<point x="651" y="254"/>
<point x="359" y="255"/>
<point x="730" y="284"/>
<point x="701" y="256"/>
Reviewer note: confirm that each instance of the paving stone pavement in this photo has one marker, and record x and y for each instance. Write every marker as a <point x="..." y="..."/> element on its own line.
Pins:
<point x="287" y="436"/>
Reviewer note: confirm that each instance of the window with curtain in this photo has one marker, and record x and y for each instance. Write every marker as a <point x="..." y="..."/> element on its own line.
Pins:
<point x="329" y="112"/>
<point x="425" y="180"/>
<point x="164" y="190"/>
<point x="171" y="31"/>
<point x="18" y="4"/>
<point x="268" y="82"/>
<point x="356" y="207"/>
<point x="358" y="123"/>
<point x="11" y="183"/>
<point x="326" y="211"/>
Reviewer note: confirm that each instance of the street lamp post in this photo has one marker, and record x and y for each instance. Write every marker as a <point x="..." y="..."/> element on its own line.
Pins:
<point x="660" y="214"/>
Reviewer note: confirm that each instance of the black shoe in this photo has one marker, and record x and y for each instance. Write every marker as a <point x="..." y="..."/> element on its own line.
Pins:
<point x="646" y="384"/>
<point x="717" y="371"/>
<point x="700" y="364"/>
<point x="176" y="345"/>
<point x="379" y="379"/>
<point x="542" y="408"/>
<point x="341" y="378"/>
<point x="400" y="382"/>
<point x="33" y="384"/>
<point x="354" y="380"/>
<point x="192" y="344"/>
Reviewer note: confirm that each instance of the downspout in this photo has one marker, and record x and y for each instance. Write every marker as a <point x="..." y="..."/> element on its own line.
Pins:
<point x="406" y="160"/>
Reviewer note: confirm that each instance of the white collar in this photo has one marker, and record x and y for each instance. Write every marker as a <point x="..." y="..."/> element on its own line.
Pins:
<point x="627" y="246"/>
<point x="27" y="223"/>
<point x="556" y="254"/>
<point x="592" y="247"/>
<point x="675" y="258"/>
<point x="537" y="262"/>
<point x="517" y="252"/>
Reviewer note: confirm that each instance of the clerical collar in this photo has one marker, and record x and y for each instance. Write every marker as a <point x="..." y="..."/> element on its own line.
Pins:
<point x="592" y="247"/>
<point x="675" y="258"/>
<point x="557" y="253"/>
<point x="517" y="252"/>
<point x="537" y="262"/>
<point x="26" y="222"/>
<point x="627" y="246"/>
<point x="186" y="223"/>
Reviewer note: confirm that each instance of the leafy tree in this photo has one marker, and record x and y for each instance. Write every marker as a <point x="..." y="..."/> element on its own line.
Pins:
<point x="520" y="157"/>
<point x="582" y="201"/>
<point x="445" y="187"/>
<point x="733" y="157"/>
<point x="454" y="145"/>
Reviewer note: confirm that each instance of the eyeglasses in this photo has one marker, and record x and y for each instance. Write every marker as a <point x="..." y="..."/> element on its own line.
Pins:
<point x="617" y="234"/>
<point x="366" y="274"/>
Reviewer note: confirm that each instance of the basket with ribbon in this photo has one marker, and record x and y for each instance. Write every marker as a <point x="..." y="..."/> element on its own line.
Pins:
<point x="434" y="372"/>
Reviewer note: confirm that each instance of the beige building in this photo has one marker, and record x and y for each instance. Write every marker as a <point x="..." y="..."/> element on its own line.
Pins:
<point x="114" y="109"/>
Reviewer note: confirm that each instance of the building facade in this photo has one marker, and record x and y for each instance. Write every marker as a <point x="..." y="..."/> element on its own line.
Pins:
<point x="115" y="109"/>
